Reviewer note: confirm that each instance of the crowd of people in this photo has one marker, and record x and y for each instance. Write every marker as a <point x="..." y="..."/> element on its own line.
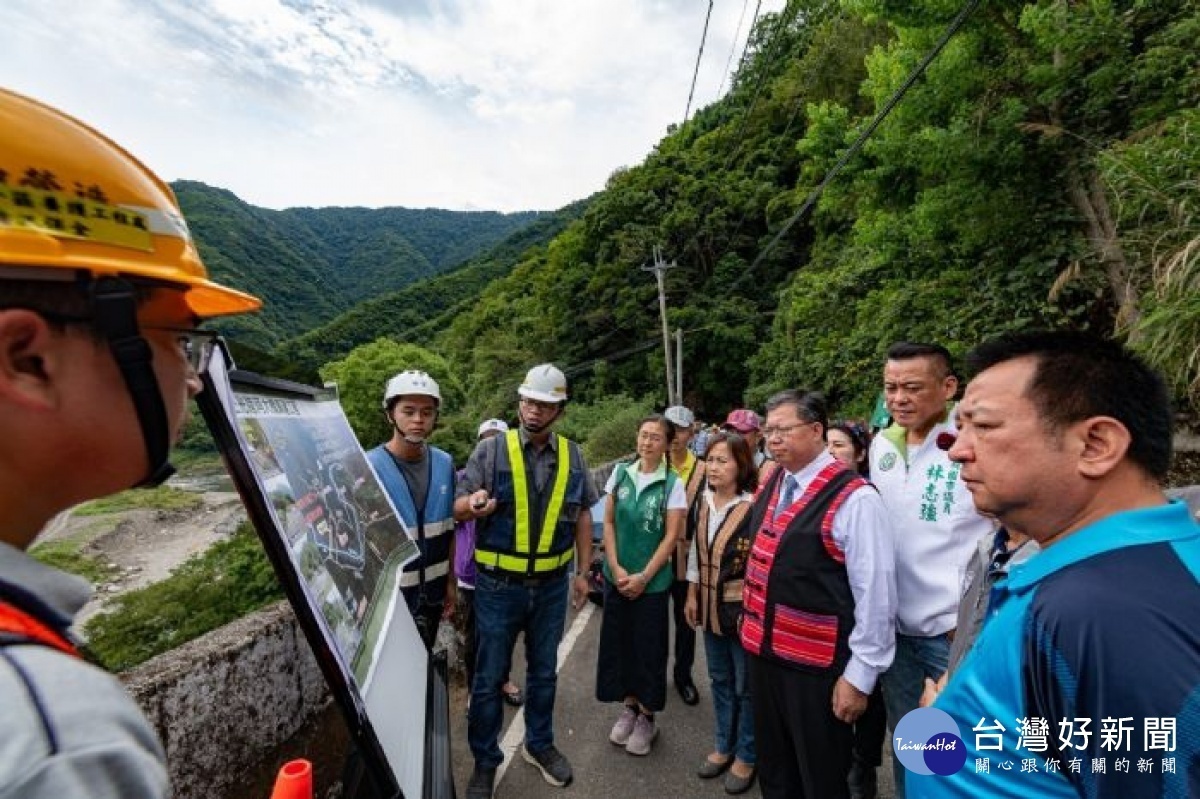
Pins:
<point x="841" y="580"/>
<point x="825" y="573"/>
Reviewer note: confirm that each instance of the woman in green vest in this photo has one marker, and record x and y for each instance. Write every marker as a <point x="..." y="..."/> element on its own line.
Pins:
<point x="644" y="518"/>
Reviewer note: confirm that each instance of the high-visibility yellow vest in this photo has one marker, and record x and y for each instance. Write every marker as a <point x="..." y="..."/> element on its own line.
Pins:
<point x="506" y="539"/>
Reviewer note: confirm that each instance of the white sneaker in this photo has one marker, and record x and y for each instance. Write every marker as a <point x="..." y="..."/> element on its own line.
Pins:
<point x="643" y="735"/>
<point x="624" y="726"/>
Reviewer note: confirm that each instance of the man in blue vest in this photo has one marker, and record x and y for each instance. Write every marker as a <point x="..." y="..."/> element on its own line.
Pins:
<point x="531" y="492"/>
<point x="420" y="480"/>
<point x="1086" y="674"/>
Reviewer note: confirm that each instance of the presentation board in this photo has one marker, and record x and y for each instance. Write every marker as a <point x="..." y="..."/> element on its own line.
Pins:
<point x="338" y="546"/>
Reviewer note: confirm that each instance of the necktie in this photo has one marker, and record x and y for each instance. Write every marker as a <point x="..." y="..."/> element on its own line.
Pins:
<point x="786" y="497"/>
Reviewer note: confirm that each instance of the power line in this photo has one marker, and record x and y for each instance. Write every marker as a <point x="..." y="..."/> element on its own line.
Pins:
<point x="883" y="113"/>
<point x="649" y="343"/>
<point x="733" y="44"/>
<point x="771" y="44"/>
<point x="781" y="22"/>
<point x="696" y="72"/>
<point x="953" y="28"/>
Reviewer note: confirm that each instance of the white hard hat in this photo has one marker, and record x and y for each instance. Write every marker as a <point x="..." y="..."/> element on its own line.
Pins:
<point x="492" y="425"/>
<point x="679" y="416"/>
<point x="545" y="383"/>
<point x="411" y="382"/>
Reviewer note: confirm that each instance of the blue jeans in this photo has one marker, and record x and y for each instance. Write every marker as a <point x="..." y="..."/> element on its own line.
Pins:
<point x="731" y="696"/>
<point x="501" y="611"/>
<point x="916" y="659"/>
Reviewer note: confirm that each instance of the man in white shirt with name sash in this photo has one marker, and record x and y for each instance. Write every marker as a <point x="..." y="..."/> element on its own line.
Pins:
<point x="934" y="519"/>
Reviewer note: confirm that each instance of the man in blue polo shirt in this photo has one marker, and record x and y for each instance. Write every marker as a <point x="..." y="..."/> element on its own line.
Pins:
<point x="1085" y="680"/>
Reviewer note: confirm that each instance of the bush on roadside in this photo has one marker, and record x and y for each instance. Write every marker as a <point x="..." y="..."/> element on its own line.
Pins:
<point x="65" y="556"/>
<point x="606" y="428"/>
<point x="226" y="582"/>
<point x="160" y="498"/>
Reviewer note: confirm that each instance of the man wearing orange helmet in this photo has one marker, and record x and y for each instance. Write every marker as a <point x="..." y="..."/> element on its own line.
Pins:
<point x="101" y="289"/>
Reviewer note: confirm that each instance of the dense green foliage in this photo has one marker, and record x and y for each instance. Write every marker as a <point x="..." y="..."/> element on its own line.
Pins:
<point x="229" y="580"/>
<point x="362" y="376"/>
<point x="979" y="206"/>
<point x="315" y="264"/>
<point x="607" y="427"/>
<point x="1156" y="180"/>
<point x="417" y="312"/>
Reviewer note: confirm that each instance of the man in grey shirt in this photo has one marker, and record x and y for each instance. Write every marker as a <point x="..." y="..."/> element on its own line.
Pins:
<point x="99" y="355"/>
<point x="530" y="493"/>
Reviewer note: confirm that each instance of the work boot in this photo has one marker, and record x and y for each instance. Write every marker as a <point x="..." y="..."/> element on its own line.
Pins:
<point x="482" y="784"/>
<point x="643" y="735"/>
<point x="624" y="726"/>
<point x="554" y="767"/>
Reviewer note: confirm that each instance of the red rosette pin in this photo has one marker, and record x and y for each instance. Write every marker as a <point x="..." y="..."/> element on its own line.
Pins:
<point x="945" y="441"/>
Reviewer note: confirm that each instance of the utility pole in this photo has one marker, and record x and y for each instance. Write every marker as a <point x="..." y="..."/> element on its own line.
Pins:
<point x="659" y="268"/>
<point x="679" y="366"/>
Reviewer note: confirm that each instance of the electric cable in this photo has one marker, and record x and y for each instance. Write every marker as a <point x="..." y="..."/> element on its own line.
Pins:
<point x="737" y="32"/>
<point x="696" y="72"/>
<point x="883" y="114"/>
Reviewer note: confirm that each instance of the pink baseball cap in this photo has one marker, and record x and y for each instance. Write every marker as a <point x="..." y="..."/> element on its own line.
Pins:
<point x="743" y="420"/>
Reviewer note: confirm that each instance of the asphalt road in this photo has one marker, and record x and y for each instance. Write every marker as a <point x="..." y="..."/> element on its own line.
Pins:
<point x="581" y="725"/>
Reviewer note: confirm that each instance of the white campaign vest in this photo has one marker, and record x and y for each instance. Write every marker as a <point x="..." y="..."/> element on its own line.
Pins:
<point x="936" y="529"/>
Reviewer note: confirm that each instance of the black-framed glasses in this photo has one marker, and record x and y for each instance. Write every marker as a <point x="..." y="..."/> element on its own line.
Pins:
<point x="783" y="430"/>
<point x="196" y="344"/>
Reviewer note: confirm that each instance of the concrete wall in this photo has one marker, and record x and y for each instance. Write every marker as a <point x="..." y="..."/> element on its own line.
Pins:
<point x="227" y="702"/>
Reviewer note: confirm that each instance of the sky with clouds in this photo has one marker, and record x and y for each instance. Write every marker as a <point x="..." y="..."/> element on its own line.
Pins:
<point x="462" y="104"/>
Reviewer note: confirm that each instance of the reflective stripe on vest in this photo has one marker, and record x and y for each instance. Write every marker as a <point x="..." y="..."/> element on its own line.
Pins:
<point x="26" y="628"/>
<point x="542" y="562"/>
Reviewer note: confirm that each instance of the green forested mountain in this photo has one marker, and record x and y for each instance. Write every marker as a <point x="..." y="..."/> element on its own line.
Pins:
<point x="1043" y="172"/>
<point x="420" y="310"/>
<point x="313" y="264"/>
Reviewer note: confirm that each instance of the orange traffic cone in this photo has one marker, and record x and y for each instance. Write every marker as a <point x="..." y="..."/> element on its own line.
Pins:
<point x="294" y="781"/>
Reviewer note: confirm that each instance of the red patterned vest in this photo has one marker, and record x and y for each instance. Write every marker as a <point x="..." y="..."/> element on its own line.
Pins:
<point x="798" y="606"/>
